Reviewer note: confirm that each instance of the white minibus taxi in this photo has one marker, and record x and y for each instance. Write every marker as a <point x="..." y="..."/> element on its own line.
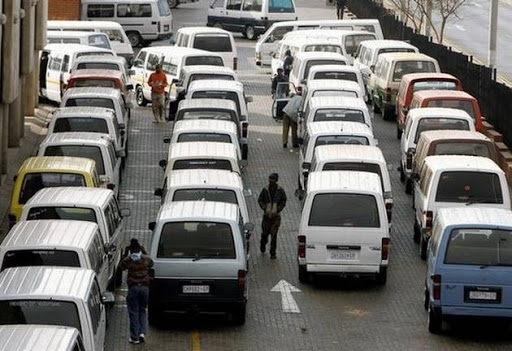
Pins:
<point x="340" y="72"/>
<point x="99" y="40"/>
<point x="21" y="337"/>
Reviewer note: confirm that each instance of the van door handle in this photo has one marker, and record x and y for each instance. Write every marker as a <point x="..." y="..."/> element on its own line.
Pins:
<point x="153" y="22"/>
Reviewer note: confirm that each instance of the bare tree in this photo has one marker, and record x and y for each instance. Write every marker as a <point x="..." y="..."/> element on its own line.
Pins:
<point x="409" y="12"/>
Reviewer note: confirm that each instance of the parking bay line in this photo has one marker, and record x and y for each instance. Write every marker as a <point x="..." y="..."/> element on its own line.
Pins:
<point x="196" y="341"/>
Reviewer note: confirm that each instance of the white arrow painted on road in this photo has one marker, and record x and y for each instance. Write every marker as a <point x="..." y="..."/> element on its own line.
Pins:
<point x="287" y="300"/>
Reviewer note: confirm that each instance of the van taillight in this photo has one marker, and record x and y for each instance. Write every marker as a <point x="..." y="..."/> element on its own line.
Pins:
<point x="245" y="129"/>
<point x="242" y="276"/>
<point x="159" y="27"/>
<point x="302" y="246"/>
<point x="384" y="254"/>
<point x="235" y="63"/>
<point x="436" y="280"/>
<point x="389" y="210"/>
<point x="428" y="219"/>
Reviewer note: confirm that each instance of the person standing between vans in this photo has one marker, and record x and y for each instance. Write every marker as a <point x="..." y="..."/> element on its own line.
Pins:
<point x="287" y="62"/>
<point x="272" y="201"/>
<point x="340" y="7"/>
<point x="279" y="78"/>
<point x="138" y="266"/>
<point x="158" y="82"/>
<point x="290" y="119"/>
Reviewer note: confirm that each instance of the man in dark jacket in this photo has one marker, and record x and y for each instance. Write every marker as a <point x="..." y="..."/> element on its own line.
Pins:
<point x="278" y="78"/>
<point x="287" y="62"/>
<point x="272" y="201"/>
<point x="138" y="266"/>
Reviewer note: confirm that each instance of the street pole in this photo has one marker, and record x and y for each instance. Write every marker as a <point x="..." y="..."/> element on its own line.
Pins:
<point x="493" y="29"/>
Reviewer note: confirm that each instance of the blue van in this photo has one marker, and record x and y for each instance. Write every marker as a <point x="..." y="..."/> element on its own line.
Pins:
<point x="469" y="265"/>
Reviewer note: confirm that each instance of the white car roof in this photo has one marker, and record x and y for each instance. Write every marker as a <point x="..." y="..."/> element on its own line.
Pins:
<point x="334" y="84"/>
<point x="32" y="337"/>
<point x="318" y="55"/>
<point x="469" y="216"/>
<point x="216" y="84"/>
<point x="178" y="50"/>
<point x="332" y="127"/>
<point x="461" y="162"/>
<point x="434" y="112"/>
<point x="344" y="181"/>
<point x="83" y="111"/>
<point x="209" y="69"/>
<point x="334" y="68"/>
<point x="204" y="178"/>
<point x="337" y="102"/>
<point x="77" y="138"/>
<point x="205" y="125"/>
<point x="223" y="104"/>
<point x="70" y="196"/>
<point x="75" y="47"/>
<point x="387" y="43"/>
<point x="433" y="135"/>
<point x="92" y="92"/>
<point x="198" y="210"/>
<point x="203" y="30"/>
<point x="356" y="153"/>
<point x="202" y="149"/>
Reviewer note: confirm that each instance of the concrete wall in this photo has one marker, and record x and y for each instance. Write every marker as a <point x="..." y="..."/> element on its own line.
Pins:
<point x="64" y="9"/>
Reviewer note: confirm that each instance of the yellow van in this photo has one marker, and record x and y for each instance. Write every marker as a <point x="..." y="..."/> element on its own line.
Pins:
<point x="43" y="172"/>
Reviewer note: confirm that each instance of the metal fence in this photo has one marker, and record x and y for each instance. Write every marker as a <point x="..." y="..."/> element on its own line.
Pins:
<point x="495" y="98"/>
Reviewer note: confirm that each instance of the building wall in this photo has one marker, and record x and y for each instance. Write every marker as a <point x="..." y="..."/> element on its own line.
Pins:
<point x="63" y="9"/>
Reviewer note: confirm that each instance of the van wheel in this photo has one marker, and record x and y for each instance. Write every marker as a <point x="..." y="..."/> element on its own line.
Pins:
<point x="154" y="315"/>
<point x="417" y="233"/>
<point x="250" y="33"/>
<point x="173" y="3"/>
<point x="238" y="315"/>
<point x="435" y="323"/>
<point x="303" y="275"/>
<point x="135" y="39"/>
<point x="423" y="248"/>
<point x="217" y="25"/>
<point x="408" y="186"/>
<point x="398" y="132"/>
<point x="139" y="95"/>
<point x="119" y="277"/>
<point x="402" y="174"/>
<point x="382" y="276"/>
<point x="426" y="302"/>
<point x="376" y="108"/>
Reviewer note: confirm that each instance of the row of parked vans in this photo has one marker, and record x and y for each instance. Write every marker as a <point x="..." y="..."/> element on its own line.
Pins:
<point x="461" y="197"/>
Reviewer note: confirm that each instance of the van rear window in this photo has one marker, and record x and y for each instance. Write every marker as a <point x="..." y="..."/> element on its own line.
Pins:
<point x="215" y="137"/>
<point x="91" y="152"/>
<point x="95" y="53"/>
<point x="406" y="67"/>
<point x="439" y="124"/>
<point x="469" y="187"/>
<point x="213" y="42"/>
<point x="312" y="63"/>
<point x="323" y="48"/>
<point x="196" y="240"/>
<point x="97" y="65"/>
<point x="341" y="139"/>
<point x="463" y="148"/>
<point x="339" y="114"/>
<point x="24" y="258"/>
<point x="344" y="210"/>
<point x="218" y="94"/>
<point x="281" y="6"/>
<point x="85" y="83"/>
<point x="94" y="102"/>
<point x="204" y="60"/>
<point x="204" y="76"/>
<point x="33" y="182"/>
<point x="336" y="75"/>
<point x="355" y="166"/>
<point x="68" y="213"/>
<point x="434" y="85"/>
<point x="483" y="247"/>
<point x="202" y="164"/>
<point x="78" y="124"/>
<point x="47" y="312"/>
<point x="205" y="114"/>
<point x="219" y="195"/>
<point x="334" y="93"/>
<point x="464" y="105"/>
<point x="388" y="50"/>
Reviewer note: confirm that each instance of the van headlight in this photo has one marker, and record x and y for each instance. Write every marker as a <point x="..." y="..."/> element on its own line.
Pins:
<point x="258" y="56"/>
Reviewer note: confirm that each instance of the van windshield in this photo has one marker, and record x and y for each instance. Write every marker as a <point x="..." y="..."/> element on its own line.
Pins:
<point x="33" y="182"/>
<point x="203" y="76"/>
<point x="323" y="48"/>
<point x="218" y="94"/>
<point x="341" y="139"/>
<point x="434" y="85"/>
<point x="469" y="187"/>
<point x="312" y="63"/>
<point x="113" y="34"/>
<point x="78" y="124"/>
<point x="471" y="246"/>
<point x="440" y="124"/>
<point x="97" y="65"/>
<point x="204" y="60"/>
<point x="48" y="312"/>
<point x="192" y="137"/>
<point x="99" y="41"/>
<point x="91" y="152"/>
<point x="94" y="53"/>
<point x="339" y="114"/>
<point x="344" y="210"/>
<point x="213" y="42"/>
<point x="85" y="83"/>
<point x="464" y="105"/>
<point x="211" y="240"/>
<point x="355" y="166"/>
<point x="281" y="6"/>
<point x="219" y="195"/>
<point x="94" y="102"/>
<point x="334" y="93"/>
<point x="202" y="164"/>
<point x="69" y="213"/>
<point x="406" y="67"/>
<point x="23" y="258"/>
<point x="463" y="148"/>
<point x="350" y="76"/>
<point x="206" y="114"/>
<point x="388" y="50"/>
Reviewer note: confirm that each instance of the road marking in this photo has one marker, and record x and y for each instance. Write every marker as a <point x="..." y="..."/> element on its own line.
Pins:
<point x="287" y="301"/>
<point x="196" y="341"/>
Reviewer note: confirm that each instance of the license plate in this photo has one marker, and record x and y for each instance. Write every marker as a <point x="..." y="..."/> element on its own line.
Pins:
<point x="483" y="295"/>
<point x="196" y="289"/>
<point x="343" y="255"/>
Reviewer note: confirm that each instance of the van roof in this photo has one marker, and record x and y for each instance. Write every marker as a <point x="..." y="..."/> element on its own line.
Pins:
<point x="410" y="77"/>
<point x="92" y="92"/>
<point x="292" y="40"/>
<point x="71" y="33"/>
<point x="96" y="58"/>
<point x="329" y="33"/>
<point x="51" y="234"/>
<point x="221" y="104"/>
<point x="334" y="68"/>
<point x="52" y="25"/>
<point x="332" y="127"/>
<point x="386" y="43"/>
<point x="469" y="216"/>
<point x="32" y="337"/>
<point x="70" y="196"/>
<point x="57" y="163"/>
<point x="319" y="55"/>
<point x="83" y="111"/>
<point x="335" y="84"/>
<point x="461" y="162"/>
<point x="97" y="73"/>
<point x="49" y="283"/>
<point x="434" y="135"/>
<point x="321" y="22"/>
<point x="74" y="47"/>
<point x="356" y="153"/>
<point x="406" y="56"/>
<point x="434" y="112"/>
<point x="216" y="84"/>
<point x="198" y="210"/>
<point x="205" y="178"/>
<point x="202" y="30"/>
<point x="443" y="94"/>
<point x="350" y="181"/>
<point x="337" y="102"/>
<point x="202" y="149"/>
<point x="178" y="50"/>
<point x="77" y="138"/>
<point x="209" y="69"/>
<point x="205" y="125"/>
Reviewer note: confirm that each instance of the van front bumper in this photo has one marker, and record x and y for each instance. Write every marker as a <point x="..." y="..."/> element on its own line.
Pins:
<point x="344" y="269"/>
<point x="474" y="311"/>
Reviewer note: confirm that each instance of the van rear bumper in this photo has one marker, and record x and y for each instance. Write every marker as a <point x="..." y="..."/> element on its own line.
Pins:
<point x="475" y="311"/>
<point x="343" y="268"/>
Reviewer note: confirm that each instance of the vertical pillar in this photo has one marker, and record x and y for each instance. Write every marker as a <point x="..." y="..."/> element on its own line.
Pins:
<point x="493" y="29"/>
<point x="27" y="56"/>
<point x="15" y="118"/>
<point x="23" y="106"/>
<point x="30" y="91"/>
<point x="5" y="136"/>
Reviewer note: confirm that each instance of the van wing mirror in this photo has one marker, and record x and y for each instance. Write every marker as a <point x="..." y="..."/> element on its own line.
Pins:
<point x="159" y="192"/>
<point x="125" y="212"/>
<point x="306" y="166"/>
<point x="167" y="140"/>
<point x="152" y="226"/>
<point x="111" y="186"/>
<point x="249" y="99"/>
<point x="162" y="164"/>
<point x="300" y="141"/>
<point x="248" y="227"/>
<point x="108" y="298"/>
<point x="131" y="72"/>
<point x="129" y="86"/>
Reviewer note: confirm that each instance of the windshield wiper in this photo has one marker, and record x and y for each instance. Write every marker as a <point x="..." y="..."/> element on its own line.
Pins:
<point x="200" y="257"/>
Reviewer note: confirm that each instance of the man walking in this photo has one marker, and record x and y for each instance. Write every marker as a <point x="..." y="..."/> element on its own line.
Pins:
<point x="158" y="82"/>
<point x="340" y="7"/>
<point x="138" y="266"/>
<point x="272" y="201"/>
<point x="287" y="63"/>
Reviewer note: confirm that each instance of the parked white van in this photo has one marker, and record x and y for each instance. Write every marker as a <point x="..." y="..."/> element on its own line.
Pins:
<point x="57" y="243"/>
<point x="193" y="73"/>
<point x="269" y="41"/>
<point x="204" y="185"/>
<point x="49" y="338"/>
<point x="421" y="120"/>
<point x="55" y="296"/>
<point x="99" y="40"/>
<point x="343" y="228"/>
<point x="200" y="253"/>
<point x="118" y="39"/>
<point x="142" y="20"/>
<point x="329" y="133"/>
<point x="455" y="181"/>
<point x="99" y="206"/>
<point x="114" y="63"/>
<point x="340" y="72"/>
<point x="209" y="39"/>
<point x="249" y="17"/>
<point x="202" y="155"/>
<point x="98" y="147"/>
<point x="330" y="87"/>
<point x="55" y="65"/>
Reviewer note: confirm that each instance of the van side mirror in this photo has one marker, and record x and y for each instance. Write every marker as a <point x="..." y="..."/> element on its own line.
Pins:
<point x="158" y="192"/>
<point x="415" y="176"/>
<point x="302" y="81"/>
<point x="247" y="192"/>
<point x="249" y="99"/>
<point x="372" y="68"/>
<point x="120" y="153"/>
<point x="122" y="126"/>
<point x="300" y="141"/>
<point x="131" y="72"/>
<point x="300" y="193"/>
<point x="129" y="86"/>
<point x="162" y="164"/>
<point x="108" y="298"/>
<point x="306" y="166"/>
<point x="125" y="212"/>
<point x="167" y="140"/>
<point x="152" y="226"/>
<point x="111" y="186"/>
<point x="248" y="227"/>
<point x="376" y="142"/>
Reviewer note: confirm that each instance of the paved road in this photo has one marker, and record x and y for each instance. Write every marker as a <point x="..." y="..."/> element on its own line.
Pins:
<point x="334" y="315"/>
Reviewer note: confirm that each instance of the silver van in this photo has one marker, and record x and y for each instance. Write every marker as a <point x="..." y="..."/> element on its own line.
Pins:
<point x="49" y="338"/>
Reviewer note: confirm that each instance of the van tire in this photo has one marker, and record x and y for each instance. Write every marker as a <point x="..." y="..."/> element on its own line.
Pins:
<point x="416" y="235"/>
<point x="135" y="39"/>
<point x="173" y="3"/>
<point x="408" y="186"/>
<point x="249" y="33"/>
<point x="427" y="297"/>
<point x="303" y="275"/>
<point x="238" y="315"/>
<point x="435" y="323"/>
<point x="218" y="25"/>
<point x="382" y="276"/>
<point x="154" y="316"/>
<point x="398" y="132"/>
<point x="139" y="96"/>
<point x="118" y="277"/>
<point x="423" y="248"/>
<point x="376" y="108"/>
